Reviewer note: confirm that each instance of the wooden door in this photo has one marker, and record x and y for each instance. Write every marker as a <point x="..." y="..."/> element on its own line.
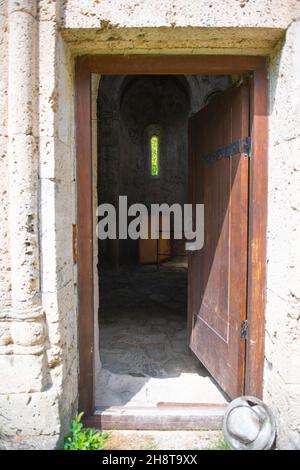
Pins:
<point x="218" y="178"/>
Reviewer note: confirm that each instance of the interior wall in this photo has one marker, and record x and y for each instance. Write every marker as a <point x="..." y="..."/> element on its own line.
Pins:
<point x="128" y="107"/>
<point x="162" y="102"/>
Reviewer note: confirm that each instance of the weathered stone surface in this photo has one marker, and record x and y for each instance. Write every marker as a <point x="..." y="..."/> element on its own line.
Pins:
<point x="26" y="371"/>
<point x="180" y="13"/>
<point x="21" y="373"/>
<point x="30" y="414"/>
<point x="283" y="253"/>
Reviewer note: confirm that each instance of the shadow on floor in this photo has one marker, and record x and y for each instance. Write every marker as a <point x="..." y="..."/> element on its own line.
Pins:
<point x="143" y="339"/>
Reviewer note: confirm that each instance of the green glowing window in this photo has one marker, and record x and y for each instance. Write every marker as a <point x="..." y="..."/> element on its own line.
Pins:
<point x="154" y="147"/>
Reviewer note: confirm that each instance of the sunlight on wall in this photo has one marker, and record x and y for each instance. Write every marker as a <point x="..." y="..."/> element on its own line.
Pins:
<point x="154" y="145"/>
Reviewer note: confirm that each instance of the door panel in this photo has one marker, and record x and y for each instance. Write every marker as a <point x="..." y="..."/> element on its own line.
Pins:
<point x="218" y="272"/>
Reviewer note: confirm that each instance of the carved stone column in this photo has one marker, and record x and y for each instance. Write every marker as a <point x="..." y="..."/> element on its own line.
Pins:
<point x="22" y="346"/>
<point x="4" y="193"/>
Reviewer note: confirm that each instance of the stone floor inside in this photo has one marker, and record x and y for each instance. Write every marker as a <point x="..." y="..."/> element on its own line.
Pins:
<point x="143" y="341"/>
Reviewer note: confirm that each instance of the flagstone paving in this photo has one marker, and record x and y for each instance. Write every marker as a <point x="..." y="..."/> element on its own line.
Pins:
<point x="143" y="341"/>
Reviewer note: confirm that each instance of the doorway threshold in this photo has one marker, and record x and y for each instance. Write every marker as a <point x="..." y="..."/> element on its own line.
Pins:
<point x="164" y="416"/>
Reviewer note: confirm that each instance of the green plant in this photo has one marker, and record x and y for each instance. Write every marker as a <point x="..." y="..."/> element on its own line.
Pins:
<point x="221" y="444"/>
<point x="82" y="438"/>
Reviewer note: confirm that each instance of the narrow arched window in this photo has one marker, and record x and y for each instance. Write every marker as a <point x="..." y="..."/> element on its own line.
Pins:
<point x="154" y="153"/>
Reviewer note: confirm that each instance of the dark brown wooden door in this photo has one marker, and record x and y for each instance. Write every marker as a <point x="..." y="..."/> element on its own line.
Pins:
<point x="218" y="272"/>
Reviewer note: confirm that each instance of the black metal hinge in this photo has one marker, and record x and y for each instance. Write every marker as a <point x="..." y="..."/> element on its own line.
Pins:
<point x="244" y="329"/>
<point x="230" y="150"/>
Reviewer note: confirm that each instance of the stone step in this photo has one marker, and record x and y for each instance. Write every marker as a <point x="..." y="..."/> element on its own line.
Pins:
<point x="163" y="417"/>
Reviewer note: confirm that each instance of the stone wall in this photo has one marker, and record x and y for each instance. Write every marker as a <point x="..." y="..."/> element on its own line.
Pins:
<point x="282" y="370"/>
<point x="38" y="315"/>
<point x="224" y="27"/>
<point x="38" y="355"/>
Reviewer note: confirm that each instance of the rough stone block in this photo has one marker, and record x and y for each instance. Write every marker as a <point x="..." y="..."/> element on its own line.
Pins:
<point x="21" y="373"/>
<point x="30" y="414"/>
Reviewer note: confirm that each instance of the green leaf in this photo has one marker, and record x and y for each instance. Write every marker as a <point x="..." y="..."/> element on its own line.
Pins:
<point x="84" y="438"/>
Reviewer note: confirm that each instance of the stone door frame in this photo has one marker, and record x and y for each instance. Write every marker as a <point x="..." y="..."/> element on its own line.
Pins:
<point x="256" y="282"/>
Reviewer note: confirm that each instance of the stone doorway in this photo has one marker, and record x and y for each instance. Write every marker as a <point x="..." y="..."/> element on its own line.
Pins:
<point x="86" y="261"/>
<point x="144" y="354"/>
